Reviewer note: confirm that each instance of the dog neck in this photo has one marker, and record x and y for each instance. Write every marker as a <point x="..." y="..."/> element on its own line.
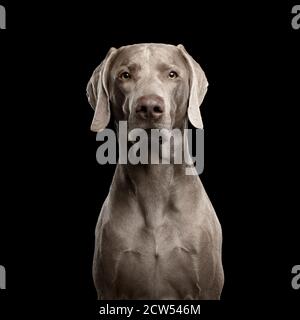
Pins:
<point x="154" y="187"/>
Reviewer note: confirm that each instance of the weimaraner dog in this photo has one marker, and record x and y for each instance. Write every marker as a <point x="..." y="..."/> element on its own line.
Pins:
<point x="158" y="236"/>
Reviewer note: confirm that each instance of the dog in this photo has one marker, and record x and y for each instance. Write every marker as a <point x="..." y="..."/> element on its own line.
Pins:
<point x="157" y="236"/>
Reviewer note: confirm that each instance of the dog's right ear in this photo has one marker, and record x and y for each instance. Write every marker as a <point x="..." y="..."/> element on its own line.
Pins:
<point x="98" y="95"/>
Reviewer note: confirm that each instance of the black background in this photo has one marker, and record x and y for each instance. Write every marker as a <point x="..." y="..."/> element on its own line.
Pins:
<point x="52" y="187"/>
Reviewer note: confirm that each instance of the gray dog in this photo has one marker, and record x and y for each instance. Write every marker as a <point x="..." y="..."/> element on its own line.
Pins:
<point x="158" y="236"/>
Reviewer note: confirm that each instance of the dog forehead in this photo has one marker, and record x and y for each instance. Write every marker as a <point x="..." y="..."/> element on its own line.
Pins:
<point x="149" y="53"/>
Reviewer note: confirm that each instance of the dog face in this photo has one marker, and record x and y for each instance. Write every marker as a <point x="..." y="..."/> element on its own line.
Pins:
<point x="149" y="85"/>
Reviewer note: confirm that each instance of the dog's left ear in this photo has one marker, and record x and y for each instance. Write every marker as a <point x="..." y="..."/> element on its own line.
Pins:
<point x="98" y="95"/>
<point x="198" y="89"/>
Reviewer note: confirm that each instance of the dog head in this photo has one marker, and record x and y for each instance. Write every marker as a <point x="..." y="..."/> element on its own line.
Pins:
<point x="148" y="85"/>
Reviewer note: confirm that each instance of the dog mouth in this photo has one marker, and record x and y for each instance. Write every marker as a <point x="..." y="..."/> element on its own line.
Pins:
<point x="148" y="126"/>
<point x="150" y="136"/>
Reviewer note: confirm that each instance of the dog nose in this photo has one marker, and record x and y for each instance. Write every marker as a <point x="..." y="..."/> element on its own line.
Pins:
<point x="150" y="107"/>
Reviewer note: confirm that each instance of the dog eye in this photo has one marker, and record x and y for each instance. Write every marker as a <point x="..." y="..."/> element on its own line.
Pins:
<point x="125" y="76"/>
<point x="173" y="75"/>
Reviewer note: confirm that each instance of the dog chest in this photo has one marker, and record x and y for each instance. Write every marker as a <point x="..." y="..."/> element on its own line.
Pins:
<point x="160" y="263"/>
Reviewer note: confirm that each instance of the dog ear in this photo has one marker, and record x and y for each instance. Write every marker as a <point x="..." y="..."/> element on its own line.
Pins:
<point x="198" y="89"/>
<point x="98" y="95"/>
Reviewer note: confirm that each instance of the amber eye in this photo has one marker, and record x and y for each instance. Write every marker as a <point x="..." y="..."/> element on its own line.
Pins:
<point x="125" y="76"/>
<point x="173" y="75"/>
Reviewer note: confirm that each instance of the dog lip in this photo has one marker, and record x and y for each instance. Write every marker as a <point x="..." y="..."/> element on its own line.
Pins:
<point x="149" y="126"/>
<point x="149" y="137"/>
